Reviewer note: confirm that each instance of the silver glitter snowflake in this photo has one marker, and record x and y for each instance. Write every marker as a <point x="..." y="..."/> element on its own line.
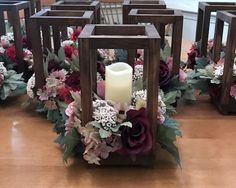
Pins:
<point x="104" y="114"/>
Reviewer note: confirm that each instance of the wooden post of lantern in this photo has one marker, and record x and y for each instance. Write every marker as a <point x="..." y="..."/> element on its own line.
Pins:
<point x="226" y="104"/>
<point x="160" y="18"/>
<point x="94" y="37"/>
<point x="203" y="22"/>
<point x="15" y="7"/>
<point x="42" y="21"/>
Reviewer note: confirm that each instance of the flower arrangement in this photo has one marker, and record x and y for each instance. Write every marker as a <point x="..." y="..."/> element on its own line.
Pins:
<point x="205" y="74"/>
<point x="115" y="128"/>
<point x="11" y="83"/>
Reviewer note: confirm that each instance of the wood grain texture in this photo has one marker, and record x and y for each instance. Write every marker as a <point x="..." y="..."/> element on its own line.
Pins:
<point x="28" y="157"/>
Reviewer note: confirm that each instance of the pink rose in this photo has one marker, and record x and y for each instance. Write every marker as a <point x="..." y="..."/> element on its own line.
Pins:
<point x="70" y="109"/>
<point x="101" y="89"/>
<point x="182" y="75"/>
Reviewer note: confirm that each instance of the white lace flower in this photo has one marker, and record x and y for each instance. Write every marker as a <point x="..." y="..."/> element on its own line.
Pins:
<point x="99" y="77"/>
<point x="104" y="114"/>
<point x="30" y="86"/>
<point x="138" y="72"/>
<point x="139" y="95"/>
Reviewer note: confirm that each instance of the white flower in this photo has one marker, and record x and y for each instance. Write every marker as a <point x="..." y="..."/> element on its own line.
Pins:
<point x="30" y="86"/>
<point x="104" y="114"/>
<point x="138" y="72"/>
<point x="67" y="43"/>
<point x="2" y="50"/>
<point x="70" y="31"/>
<point x="3" y="69"/>
<point x="139" y="95"/>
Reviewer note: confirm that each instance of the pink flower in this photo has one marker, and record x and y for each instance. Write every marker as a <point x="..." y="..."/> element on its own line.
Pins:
<point x="233" y="91"/>
<point x="182" y="75"/>
<point x="70" y="109"/>
<point x="101" y="89"/>
<point x="169" y="63"/>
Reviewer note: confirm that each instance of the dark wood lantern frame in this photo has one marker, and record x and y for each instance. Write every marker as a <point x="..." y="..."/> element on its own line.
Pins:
<point x="127" y="37"/>
<point x="14" y="8"/>
<point x="140" y="4"/>
<point x="226" y="104"/>
<point x="42" y="21"/>
<point x="160" y="18"/>
<point x="80" y="5"/>
<point x="35" y="5"/>
<point x="203" y="22"/>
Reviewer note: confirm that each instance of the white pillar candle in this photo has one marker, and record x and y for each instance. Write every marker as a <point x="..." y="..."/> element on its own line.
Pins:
<point x="119" y="83"/>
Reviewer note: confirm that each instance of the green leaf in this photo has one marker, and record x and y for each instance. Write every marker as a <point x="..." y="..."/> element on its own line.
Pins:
<point x="53" y="115"/>
<point x="104" y="134"/>
<point x="166" y="137"/>
<point x="166" y="52"/>
<point x="61" y="54"/>
<point x="71" y="140"/>
<point x="138" y="85"/>
<point x="201" y="62"/>
<point x="170" y="97"/>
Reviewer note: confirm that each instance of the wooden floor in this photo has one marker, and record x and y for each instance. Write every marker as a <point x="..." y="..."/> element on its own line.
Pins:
<point x="30" y="159"/>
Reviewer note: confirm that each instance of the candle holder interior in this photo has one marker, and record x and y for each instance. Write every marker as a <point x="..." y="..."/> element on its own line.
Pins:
<point x="226" y="104"/>
<point x="135" y="4"/>
<point x="13" y="8"/>
<point x="95" y="37"/>
<point x="160" y="18"/>
<point x="35" y="5"/>
<point x="45" y="21"/>
<point x="203" y="22"/>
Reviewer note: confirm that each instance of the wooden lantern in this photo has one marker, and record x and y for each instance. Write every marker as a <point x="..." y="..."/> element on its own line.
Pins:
<point x="14" y="7"/>
<point x="203" y="22"/>
<point x="95" y="37"/>
<point x="79" y="5"/>
<point x="226" y="104"/>
<point x="35" y="5"/>
<point x="42" y="21"/>
<point x="160" y="18"/>
<point x="140" y="4"/>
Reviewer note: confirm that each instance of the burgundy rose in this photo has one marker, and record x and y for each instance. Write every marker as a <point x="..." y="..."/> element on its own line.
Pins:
<point x="65" y="95"/>
<point x="76" y="33"/>
<point x="101" y="68"/>
<point x="138" y="139"/>
<point x="164" y="74"/>
<point x="73" y="81"/>
<point x="194" y="52"/>
<point x="68" y="51"/>
<point x="53" y="66"/>
<point x="11" y="54"/>
<point x="25" y="42"/>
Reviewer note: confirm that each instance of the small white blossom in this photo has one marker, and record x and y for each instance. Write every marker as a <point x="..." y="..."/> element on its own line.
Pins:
<point x="67" y="43"/>
<point x="3" y="69"/>
<point x="2" y="50"/>
<point x="104" y="114"/>
<point x="30" y="86"/>
<point x="138" y="72"/>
